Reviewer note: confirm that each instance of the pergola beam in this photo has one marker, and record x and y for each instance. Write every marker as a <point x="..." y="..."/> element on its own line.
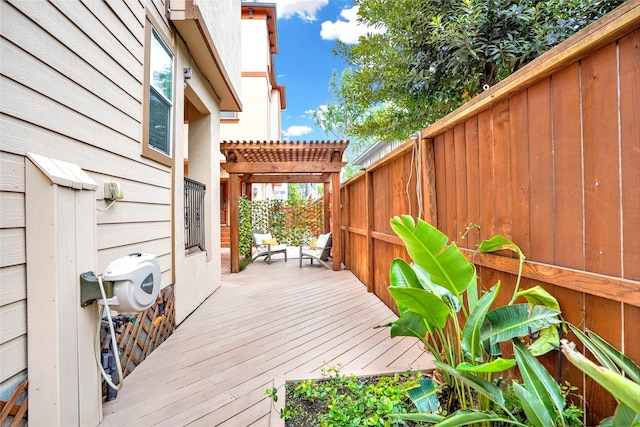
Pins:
<point x="279" y="179"/>
<point x="283" y="167"/>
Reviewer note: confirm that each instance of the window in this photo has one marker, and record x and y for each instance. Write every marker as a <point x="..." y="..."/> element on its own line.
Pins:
<point x="227" y="114"/>
<point x="157" y="141"/>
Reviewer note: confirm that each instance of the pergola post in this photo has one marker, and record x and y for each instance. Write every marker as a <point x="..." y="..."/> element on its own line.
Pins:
<point x="234" y="223"/>
<point x="326" y="212"/>
<point x="335" y="221"/>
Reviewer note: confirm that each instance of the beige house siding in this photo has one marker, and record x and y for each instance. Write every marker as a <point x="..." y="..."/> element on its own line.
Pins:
<point x="274" y="117"/>
<point x="71" y="88"/>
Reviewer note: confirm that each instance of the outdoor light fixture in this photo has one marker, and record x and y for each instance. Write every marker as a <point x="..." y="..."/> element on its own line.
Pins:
<point x="187" y="73"/>
<point x="255" y="191"/>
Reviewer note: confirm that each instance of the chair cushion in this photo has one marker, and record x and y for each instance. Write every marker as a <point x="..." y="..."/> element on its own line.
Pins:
<point x="259" y="238"/>
<point x="272" y="242"/>
<point x="322" y="240"/>
<point x="313" y="244"/>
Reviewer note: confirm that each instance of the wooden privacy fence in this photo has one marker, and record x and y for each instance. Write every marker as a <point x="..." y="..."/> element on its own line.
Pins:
<point x="549" y="158"/>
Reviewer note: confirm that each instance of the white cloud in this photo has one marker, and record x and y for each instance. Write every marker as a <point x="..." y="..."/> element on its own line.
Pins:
<point x="347" y="29"/>
<point x="296" y="131"/>
<point x="304" y="9"/>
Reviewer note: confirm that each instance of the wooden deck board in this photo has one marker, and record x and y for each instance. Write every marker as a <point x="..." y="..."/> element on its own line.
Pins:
<point x="268" y="321"/>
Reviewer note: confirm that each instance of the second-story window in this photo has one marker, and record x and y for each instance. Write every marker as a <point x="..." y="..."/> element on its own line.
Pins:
<point x="161" y="95"/>
<point x="158" y="96"/>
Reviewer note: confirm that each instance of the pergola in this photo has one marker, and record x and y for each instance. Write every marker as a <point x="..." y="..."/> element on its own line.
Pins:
<point x="285" y="162"/>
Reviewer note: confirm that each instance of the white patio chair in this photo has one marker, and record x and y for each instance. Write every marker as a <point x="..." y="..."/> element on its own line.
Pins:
<point x="266" y="246"/>
<point x="321" y="252"/>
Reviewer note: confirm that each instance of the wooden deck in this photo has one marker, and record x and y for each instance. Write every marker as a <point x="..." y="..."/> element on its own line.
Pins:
<point x="268" y="322"/>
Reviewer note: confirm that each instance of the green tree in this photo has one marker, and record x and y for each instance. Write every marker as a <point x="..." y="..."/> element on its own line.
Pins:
<point x="434" y="55"/>
<point x="338" y="118"/>
<point x="294" y="193"/>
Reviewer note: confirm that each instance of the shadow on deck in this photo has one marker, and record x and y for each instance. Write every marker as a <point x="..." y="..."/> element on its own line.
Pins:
<point x="268" y="322"/>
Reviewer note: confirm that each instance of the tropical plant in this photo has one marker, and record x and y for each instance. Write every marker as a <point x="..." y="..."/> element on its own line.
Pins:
<point x="464" y="334"/>
<point x="618" y="374"/>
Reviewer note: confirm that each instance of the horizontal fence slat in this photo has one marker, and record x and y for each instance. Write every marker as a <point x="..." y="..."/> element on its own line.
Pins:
<point x="614" y="288"/>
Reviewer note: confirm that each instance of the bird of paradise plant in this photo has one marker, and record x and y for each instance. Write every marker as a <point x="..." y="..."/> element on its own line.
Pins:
<point x="464" y="336"/>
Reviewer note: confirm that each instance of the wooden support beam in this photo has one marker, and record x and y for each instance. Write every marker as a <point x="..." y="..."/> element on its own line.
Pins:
<point x="234" y="223"/>
<point x="335" y="219"/>
<point x="326" y="219"/>
<point x="282" y="167"/>
<point x="289" y="179"/>
<point x="282" y="146"/>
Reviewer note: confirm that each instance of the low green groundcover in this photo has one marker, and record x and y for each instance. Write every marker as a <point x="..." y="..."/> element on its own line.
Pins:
<point x="339" y="400"/>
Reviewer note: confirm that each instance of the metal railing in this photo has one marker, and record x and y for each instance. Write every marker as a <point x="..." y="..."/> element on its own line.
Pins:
<point x="194" y="225"/>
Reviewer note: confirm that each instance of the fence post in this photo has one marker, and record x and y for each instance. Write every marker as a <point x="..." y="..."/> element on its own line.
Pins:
<point x="370" y="275"/>
<point x="428" y="172"/>
<point x="347" y="222"/>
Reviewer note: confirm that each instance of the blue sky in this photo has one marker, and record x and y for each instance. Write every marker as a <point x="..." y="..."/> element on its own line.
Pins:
<point x="307" y="34"/>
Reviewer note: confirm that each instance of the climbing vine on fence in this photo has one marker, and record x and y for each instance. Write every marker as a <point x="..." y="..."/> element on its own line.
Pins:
<point x="293" y="222"/>
<point x="244" y="213"/>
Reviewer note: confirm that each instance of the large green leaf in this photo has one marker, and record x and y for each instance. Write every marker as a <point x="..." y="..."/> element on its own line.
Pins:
<point x="480" y="385"/>
<point x="427" y="248"/>
<point x="472" y="333"/>
<point x="401" y="274"/>
<point x="472" y="293"/>
<point x="549" y="337"/>
<point x="627" y="365"/>
<point x="600" y="355"/>
<point x="462" y="417"/>
<point x="429" y="418"/>
<point x="466" y="417"/>
<point x="534" y="409"/>
<point x="499" y="243"/>
<point x="625" y="417"/>
<point x="548" y="340"/>
<point x="425" y="396"/>
<point x="518" y="320"/>
<point x="410" y="324"/>
<point x="539" y="296"/>
<point x="540" y="384"/>
<point x="496" y="365"/>
<point x="623" y="389"/>
<point x="433" y="310"/>
<point x="427" y="284"/>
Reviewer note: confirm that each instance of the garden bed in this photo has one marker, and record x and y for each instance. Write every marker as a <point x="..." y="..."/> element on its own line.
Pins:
<point x="383" y="393"/>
